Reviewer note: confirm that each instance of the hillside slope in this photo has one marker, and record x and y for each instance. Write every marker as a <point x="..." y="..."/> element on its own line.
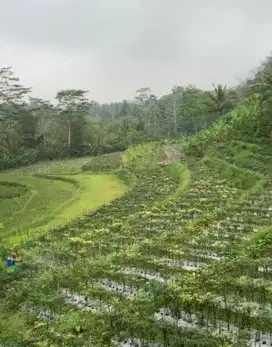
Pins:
<point x="182" y="259"/>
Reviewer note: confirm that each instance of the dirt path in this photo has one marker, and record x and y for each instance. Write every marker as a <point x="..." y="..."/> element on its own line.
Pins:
<point x="170" y="153"/>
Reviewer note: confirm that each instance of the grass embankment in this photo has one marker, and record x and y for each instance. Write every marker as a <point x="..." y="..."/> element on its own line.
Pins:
<point x="43" y="196"/>
<point x="56" y="167"/>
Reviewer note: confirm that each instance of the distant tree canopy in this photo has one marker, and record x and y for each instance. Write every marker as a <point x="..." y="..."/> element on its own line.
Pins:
<point x="34" y="129"/>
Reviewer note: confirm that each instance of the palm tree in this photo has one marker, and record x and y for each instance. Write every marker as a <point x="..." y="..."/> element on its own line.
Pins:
<point x="220" y="99"/>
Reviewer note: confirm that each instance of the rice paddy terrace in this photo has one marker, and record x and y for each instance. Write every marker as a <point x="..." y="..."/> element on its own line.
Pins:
<point x="42" y="196"/>
<point x="182" y="259"/>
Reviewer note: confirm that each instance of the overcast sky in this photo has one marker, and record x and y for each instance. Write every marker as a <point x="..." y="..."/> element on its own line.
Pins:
<point x="114" y="47"/>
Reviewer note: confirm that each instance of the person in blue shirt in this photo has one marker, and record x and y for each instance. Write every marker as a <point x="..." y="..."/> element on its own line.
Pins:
<point x="11" y="262"/>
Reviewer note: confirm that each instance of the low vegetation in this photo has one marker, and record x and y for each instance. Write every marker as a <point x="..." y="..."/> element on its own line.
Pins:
<point x="177" y="260"/>
<point x="103" y="163"/>
<point x="56" y="167"/>
<point x="38" y="198"/>
<point x="180" y="257"/>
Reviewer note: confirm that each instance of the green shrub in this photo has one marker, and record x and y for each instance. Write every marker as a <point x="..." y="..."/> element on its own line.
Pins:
<point x="12" y="160"/>
<point x="125" y="175"/>
<point x="142" y="156"/>
<point x="260" y="244"/>
<point x="241" y="123"/>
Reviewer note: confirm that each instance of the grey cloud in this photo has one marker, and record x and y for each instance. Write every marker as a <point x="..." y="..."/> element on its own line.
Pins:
<point x="114" y="47"/>
<point x="68" y="24"/>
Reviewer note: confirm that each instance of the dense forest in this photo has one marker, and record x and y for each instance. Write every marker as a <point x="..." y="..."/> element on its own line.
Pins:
<point x="33" y="129"/>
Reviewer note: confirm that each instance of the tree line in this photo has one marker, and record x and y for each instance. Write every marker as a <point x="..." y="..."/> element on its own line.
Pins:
<point x="33" y="129"/>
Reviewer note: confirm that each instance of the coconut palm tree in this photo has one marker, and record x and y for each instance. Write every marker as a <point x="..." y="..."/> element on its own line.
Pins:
<point x="220" y="99"/>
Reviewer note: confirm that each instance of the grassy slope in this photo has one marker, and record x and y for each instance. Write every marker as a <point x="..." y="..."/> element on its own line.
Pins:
<point x="53" y="200"/>
<point x="122" y="234"/>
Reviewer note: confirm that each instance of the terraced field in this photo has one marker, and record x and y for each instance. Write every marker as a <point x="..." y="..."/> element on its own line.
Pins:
<point x="182" y="259"/>
<point x="43" y="196"/>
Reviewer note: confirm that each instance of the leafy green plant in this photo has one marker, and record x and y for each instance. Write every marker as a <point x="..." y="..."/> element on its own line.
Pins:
<point x="141" y="156"/>
<point x="14" y="160"/>
<point x="241" y="122"/>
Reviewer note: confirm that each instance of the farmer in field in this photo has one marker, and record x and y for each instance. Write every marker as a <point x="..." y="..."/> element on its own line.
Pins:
<point x="11" y="262"/>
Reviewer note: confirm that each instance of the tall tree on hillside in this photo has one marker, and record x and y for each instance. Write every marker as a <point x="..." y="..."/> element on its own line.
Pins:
<point x="124" y="112"/>
<point x="157" y="114"/>
<point x="73" y="105"/>
<point x="145" y="104"/>
<point x="256" y="83"/>
<point x="143" y="95"/>
<point x="263" y="81"/>
<point x="220" y="99"/>
<point x="193" y="112"/>
<point x="12" y="107"/>
<point x="12" y="94"/>
<point x="264" y="87"/>
<point x="45" y="113"/>
<point x="28" y="124"/>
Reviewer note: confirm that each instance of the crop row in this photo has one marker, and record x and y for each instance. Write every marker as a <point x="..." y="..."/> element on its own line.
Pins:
<point x="150" y="257"/>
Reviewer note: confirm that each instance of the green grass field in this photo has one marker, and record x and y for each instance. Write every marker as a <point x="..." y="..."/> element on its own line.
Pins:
<point x="31" y="204"/>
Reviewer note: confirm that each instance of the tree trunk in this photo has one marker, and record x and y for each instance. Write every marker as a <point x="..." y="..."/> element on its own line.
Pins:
<point x="175" y="119"/>
<point x="69" y="134"/>
<point x="69" y="138"/>
<point x="155" y="126"/>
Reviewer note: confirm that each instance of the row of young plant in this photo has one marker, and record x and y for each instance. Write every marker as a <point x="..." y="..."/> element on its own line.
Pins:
<point x="115" y="262"/>
<point x="119" y="288"/>
<point x="252" y="221"/>
<point x="57" y="252"/>
<point x="261" y="215"/>
<point x="39" y="281"/>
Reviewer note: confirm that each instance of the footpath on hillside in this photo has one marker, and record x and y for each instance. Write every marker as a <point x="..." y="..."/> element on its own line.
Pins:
<point x="170" y="153"/>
